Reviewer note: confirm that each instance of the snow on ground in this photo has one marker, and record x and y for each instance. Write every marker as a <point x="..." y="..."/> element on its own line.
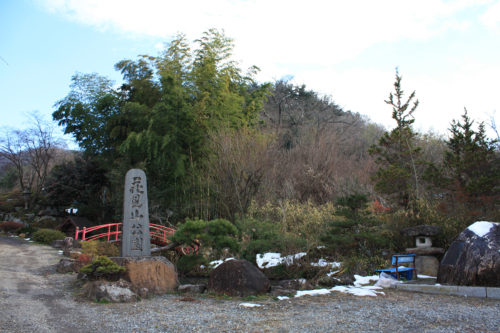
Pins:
<point x="420" y="276"/>
<point x="362" y="280"/>
<point x="214" y="264"/>
<point x="358" y="289"/>
<point x="481" y="228"/>
<point x="323" y="263"/>
<point x="313" y="292"/>
<point x="272" y="259"/>
<point x="250" y="305"/>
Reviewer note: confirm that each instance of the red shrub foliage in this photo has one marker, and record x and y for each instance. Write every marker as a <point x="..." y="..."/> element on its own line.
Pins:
<point x="378" y="208"/>
<point x="10" y="226"/>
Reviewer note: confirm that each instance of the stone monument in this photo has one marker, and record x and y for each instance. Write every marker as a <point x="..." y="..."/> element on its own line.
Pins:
<point x="147" y="275"/>
<point x="136" y="241"/>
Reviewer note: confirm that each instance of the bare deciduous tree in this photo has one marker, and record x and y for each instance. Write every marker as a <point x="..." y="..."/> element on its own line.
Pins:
<point x="31" y="152"/>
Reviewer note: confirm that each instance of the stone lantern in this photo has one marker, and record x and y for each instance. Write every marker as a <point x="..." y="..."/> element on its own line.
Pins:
<point x="26" y="196"/>
<point x="426" y="262"/>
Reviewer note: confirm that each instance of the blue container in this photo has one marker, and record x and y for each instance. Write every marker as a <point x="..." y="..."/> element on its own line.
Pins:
<point x="404" y="272"/>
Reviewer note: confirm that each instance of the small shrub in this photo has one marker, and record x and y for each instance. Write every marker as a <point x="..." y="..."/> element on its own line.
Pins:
<point x="97" y="248"/>
<point x="355" y="231"/>
<point x="266" y="236"/>
<point x="218" y="234"/>
<point x="27" y="230"/>
<point x="103" y="268"/>
<point x="10" y="226"/>
<point x="47" y="236"/>
<point x="187" y="264"/>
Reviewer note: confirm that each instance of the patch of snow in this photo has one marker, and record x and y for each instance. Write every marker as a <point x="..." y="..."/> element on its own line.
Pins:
<point x="250" y="305"/>
<point x="437" y="284"/>
<point x="313" y="292"/>
<point x="362" y="280"/>
<point x="323" y="263"/>
<point x="358" y="291"/>
<point x="420" y="276"/>
<point x="289" y="259"/>
<point x="481" y="228"/>
<point x="332" y="273"/>
<point x="281" y="298"/>
<point x="319" y="247"/>
<point x="27" y="239"/>
<point x="60" y="252"/>
<point x="214" y="264"/>
<point x="272" y="259"/>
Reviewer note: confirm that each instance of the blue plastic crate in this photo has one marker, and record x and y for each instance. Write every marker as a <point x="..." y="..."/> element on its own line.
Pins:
<point x="404" y="272"/>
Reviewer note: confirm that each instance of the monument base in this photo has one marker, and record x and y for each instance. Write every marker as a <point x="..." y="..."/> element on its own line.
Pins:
<point x="149" y="275"/>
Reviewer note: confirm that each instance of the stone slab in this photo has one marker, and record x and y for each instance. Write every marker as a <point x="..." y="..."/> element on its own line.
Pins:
<point x="493" y="293"/>
<point x="136" y="240"/>
<point x="464" y="291"/>
<point x="471" y="291"/>
<point x="430" y="289"/>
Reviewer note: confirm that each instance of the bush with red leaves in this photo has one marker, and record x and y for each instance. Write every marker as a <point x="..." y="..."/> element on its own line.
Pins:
<point x="10" y="226"/>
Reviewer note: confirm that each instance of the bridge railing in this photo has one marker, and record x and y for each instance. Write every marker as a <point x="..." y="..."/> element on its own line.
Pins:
<point x="112" y="232"/>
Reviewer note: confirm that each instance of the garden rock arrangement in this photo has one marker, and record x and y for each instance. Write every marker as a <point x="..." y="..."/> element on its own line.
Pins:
<point x="473" y="259"/>
<point x="238" y="278"/>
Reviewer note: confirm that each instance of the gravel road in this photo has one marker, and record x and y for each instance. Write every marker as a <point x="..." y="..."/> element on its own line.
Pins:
<point x="34" y="298"/>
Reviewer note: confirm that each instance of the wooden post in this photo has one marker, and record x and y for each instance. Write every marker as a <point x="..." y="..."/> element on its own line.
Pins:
<point x="83" y="235"/>
<point x="76" y="233"/>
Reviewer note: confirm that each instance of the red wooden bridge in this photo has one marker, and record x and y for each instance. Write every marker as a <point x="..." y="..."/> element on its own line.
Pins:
<point x="112" y="233"/>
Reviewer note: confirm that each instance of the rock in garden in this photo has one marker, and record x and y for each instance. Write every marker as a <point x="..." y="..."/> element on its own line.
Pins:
<point x="67" y="243"/>
<point x="116" y="292"/>
<point x="66" y="265"/>
<point x="156" y="274"/>
<point x="280" y="291"/>
<point x="58" y="243"/>
<point x="192" y="288"/>
<point x="473" y="259"/>
<point x="295" y="284"/>
<point x="238" y="278"/>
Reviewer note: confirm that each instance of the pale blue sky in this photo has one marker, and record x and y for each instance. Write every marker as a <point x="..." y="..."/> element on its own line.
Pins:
<point x="447" y="51"/>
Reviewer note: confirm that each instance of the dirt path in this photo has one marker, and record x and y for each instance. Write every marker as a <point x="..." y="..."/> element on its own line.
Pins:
<point x="32" y="295"/>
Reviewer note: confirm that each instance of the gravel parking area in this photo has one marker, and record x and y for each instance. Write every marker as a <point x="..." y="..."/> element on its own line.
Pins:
<point x="33" y="298"/>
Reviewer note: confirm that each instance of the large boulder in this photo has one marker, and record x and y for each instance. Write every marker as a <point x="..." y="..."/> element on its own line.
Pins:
<point x="157" y="275"/>
<point x="473" y="259"/>
<point x="238" y="278"/>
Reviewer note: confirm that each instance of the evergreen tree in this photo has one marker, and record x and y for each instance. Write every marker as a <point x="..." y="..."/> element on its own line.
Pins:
<point x="397" y="155"/>
<point x="472" y="164"/>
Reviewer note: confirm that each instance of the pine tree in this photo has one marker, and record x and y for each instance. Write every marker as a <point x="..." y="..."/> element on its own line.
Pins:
<point x="397" y="155"/>
<point x="472" y="163"/>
